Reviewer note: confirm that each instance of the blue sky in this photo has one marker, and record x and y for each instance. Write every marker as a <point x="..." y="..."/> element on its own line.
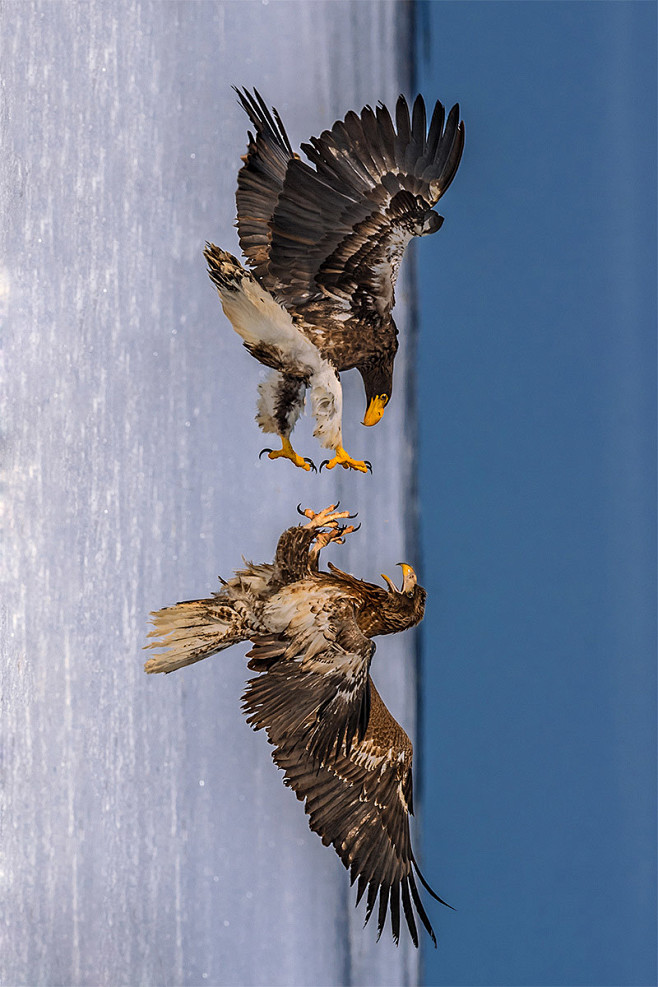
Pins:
<point x="537" y="361"/>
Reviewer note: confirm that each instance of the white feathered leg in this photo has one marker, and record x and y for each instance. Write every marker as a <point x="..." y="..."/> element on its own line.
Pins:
<point x="271" y="336"/>
<point x="327" y="407"/>
<point x="280" y="403"/>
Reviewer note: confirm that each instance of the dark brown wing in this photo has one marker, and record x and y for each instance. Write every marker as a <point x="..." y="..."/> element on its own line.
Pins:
<point x="292" y="559"/>
<point x="360" y="804"/>
<point x="315" y="684"/>
<point x="260" y="180"/>
<point x="340" y="227"/>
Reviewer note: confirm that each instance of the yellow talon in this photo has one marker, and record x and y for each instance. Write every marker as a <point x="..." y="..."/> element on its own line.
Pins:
<point x="287" y="452"/>
<point x="327" y="518"/>
<point x="343" y="459"/>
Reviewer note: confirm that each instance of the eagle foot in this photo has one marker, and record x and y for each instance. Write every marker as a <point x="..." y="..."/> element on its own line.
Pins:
<point x="327" y="518"/>
<point x="287" y="452"/>
<point x="336" y="535"/>
<point x="343" y="459"/>
<point x="326" y="527"/>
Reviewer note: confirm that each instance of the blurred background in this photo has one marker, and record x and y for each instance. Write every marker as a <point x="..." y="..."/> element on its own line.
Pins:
<point x="146" y="835"/>
<point x="536" y="396"/>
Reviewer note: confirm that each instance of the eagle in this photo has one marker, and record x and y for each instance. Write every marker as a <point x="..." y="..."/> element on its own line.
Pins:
<point x="341" y="751"/>
<point x="324" y="241"/>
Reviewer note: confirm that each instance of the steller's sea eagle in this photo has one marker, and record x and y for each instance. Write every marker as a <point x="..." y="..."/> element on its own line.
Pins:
<point x="324" y="241"/>
<point x="342" y="752"/>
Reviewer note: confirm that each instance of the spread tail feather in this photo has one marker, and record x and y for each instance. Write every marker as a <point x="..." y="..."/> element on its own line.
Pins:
<point x="224" y="270"/>
<point x="191" y="631"/>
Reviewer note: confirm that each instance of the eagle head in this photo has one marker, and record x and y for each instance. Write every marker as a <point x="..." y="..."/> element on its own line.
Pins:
<point x="406" y="605"/>
<point x="378" y="384"/>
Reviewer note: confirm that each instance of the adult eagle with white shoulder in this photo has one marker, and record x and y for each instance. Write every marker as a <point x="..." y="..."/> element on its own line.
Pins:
<point x="324" y="241"/>
<point x="341" y="750"/>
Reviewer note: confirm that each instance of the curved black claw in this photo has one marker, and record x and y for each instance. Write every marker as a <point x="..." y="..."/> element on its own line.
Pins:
<point x="311" y="463"/>
<point x="356" y="526"/>
<point x="369" y="465"/>
<point x="264" y="451"/>
<point x="346" y="528"/>
<point x="300" y="511"/>
<point x="323" y="464"/>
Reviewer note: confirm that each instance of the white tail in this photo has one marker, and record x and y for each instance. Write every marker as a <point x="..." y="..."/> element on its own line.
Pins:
<point x="191" y="631"/>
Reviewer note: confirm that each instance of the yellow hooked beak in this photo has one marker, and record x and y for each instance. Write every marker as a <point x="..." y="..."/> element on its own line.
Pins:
<point x="408" y="579"/>
<point x="375" y="409"/>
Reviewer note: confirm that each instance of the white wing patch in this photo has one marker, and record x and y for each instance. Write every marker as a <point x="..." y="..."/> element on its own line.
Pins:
<point x="259" y="319"/>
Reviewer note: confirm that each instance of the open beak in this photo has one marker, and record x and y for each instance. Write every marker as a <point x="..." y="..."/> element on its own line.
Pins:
<point x="408" y="579"/>
<point x="375" y="410"/>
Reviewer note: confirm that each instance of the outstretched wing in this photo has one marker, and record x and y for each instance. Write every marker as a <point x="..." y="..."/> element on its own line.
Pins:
<point x="260" y="180"/>
<point x="340" y="227"/>
<point x="360" y="803"/>
<point x="316" y="684"/>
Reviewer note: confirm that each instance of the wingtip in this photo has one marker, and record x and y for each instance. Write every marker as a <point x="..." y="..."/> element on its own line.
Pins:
<point x="428" y="888"/>
<point x="242" y="94"/>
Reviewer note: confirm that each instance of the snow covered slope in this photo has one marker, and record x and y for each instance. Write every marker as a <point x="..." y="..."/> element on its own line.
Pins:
<point x="146" y="835"/>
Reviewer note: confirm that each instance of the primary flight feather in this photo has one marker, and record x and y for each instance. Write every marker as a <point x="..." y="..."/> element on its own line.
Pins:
<point x="324" y="242"/>
<point x="342" y="752"/>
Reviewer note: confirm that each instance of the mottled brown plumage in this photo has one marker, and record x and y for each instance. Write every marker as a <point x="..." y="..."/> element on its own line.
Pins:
<point x="342" y="752"/>
<point x="360" y="804"/>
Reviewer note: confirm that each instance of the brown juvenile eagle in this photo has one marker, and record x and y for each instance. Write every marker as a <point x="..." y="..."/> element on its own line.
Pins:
<point x="341" y="750"/>
<point x="324" y="241"/>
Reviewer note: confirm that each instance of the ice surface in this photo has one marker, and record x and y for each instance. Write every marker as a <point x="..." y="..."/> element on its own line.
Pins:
<point x="146" y="835"/>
